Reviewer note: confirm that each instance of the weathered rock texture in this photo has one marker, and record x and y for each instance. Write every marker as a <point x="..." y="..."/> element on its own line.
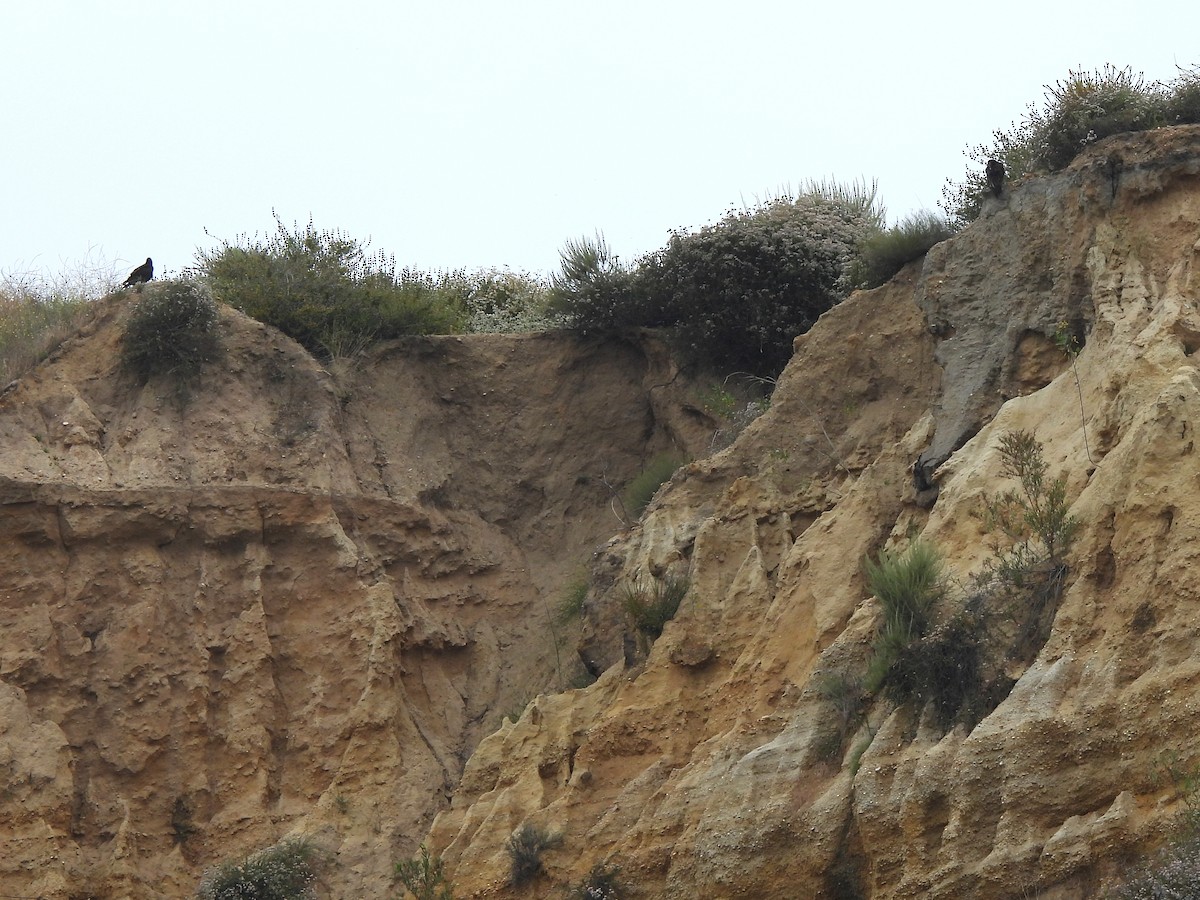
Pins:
<point x="704" y="769"/>
<point x="292" y="603"/>
<point x="296" y="604"/>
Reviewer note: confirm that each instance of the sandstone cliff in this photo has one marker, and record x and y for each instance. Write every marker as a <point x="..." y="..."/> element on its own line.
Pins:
<point x="291" y="603"/>
<point x="704" y="769"/>
<point x="301" y="604"/>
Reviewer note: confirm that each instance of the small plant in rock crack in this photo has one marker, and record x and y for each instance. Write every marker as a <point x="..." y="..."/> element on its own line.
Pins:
<point x="425" y="877"/>
<point x="525" y="848"/>
<point x="1036" y="517"/>
<point x="843" y="694"/>
<point x="650" y="608"/>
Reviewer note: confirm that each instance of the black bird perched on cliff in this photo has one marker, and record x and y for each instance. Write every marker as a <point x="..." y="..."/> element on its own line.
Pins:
<point x="141" y="274"/>
<point x="995" y="176"/>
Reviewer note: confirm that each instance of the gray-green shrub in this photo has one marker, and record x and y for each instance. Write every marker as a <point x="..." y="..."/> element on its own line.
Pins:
<point x="651" y="607"/>
<point x="734" y="294"/>
<point x="641" y="490"/>
<point x="282" y="872"/>
<point x="171" y="331"/>
<point x="525" y="848"/>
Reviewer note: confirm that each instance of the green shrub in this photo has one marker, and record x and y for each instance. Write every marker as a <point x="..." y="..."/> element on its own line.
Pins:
<point x="740" y="291"/>
<point x="650" y="608"/>
<point x="1183" y="98"/>
<point x="323" y="290"/>
<point x="735" y="294"/>
<point x="424" y="877"/>
<point x="1086" y="107"/>
<point x="594" y="293"/>
<point x="283" y="872"/>
<point x="641" y="490"/>
<point x="525" y="848"/>
<point x="601" y="883"/>
<point x="171" y="330"/>
<point x="1037" y="516"/>
<point x="885" y="253"/>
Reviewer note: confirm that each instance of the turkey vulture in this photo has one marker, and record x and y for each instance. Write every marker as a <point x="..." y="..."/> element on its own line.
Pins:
<point x="141" y="274"/>
<point x="995" y="176"/>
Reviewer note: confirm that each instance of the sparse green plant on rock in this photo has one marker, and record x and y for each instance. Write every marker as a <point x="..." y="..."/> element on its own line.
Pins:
<point x="424" y="877"/>
<point x="1036" y="517"/>
<point x="172" y="330"/>
<point x="525" y="848"/>
<point x="282" y="872"/>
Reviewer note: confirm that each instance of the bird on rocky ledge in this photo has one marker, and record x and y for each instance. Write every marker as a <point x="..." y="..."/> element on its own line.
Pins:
<point x="141" y="274"/>
<point x="995" y="176"/>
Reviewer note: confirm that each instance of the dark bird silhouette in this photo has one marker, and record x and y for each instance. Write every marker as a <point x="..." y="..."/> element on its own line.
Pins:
<point x="995" y="176"/>
<point x="141" y="274"/>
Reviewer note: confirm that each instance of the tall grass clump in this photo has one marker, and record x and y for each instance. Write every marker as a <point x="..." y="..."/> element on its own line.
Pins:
<point x="282" y="872"/>
<point x="1075" y="112"/>
<point x="641" y="490"/>
<point x="884" y="253"/>
<point x="651" y="608"/>
<point x="323" y="289"/>
<point x="39" y="311"/>
<point x="171" y="331"/>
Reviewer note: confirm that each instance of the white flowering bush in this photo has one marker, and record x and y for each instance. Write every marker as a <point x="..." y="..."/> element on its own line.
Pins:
<point x="507" y="302"/>
<point x="282" y="872"/>
<point x="171" y="330"/>
<point x="1173" y="875"/>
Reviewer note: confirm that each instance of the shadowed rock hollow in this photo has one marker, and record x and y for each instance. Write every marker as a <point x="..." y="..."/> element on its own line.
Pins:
<point x="302" y="605"/>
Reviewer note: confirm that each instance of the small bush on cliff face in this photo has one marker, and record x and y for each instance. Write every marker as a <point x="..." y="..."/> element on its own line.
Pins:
<point x="282" y="872"/>
<point x="424" y="877"/>
<point x="322" y="289"/>
<point x="171" y="330"/>
<point x="525" y="848"/>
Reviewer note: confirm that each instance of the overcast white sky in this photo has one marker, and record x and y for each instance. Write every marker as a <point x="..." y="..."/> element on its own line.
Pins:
<point x="478" y="134"/>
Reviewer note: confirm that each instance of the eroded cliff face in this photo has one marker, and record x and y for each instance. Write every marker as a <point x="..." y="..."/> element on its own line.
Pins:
<point x="290" y="603"/>
<point x="704" y="768"/>
<point x="301" y="604"/>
